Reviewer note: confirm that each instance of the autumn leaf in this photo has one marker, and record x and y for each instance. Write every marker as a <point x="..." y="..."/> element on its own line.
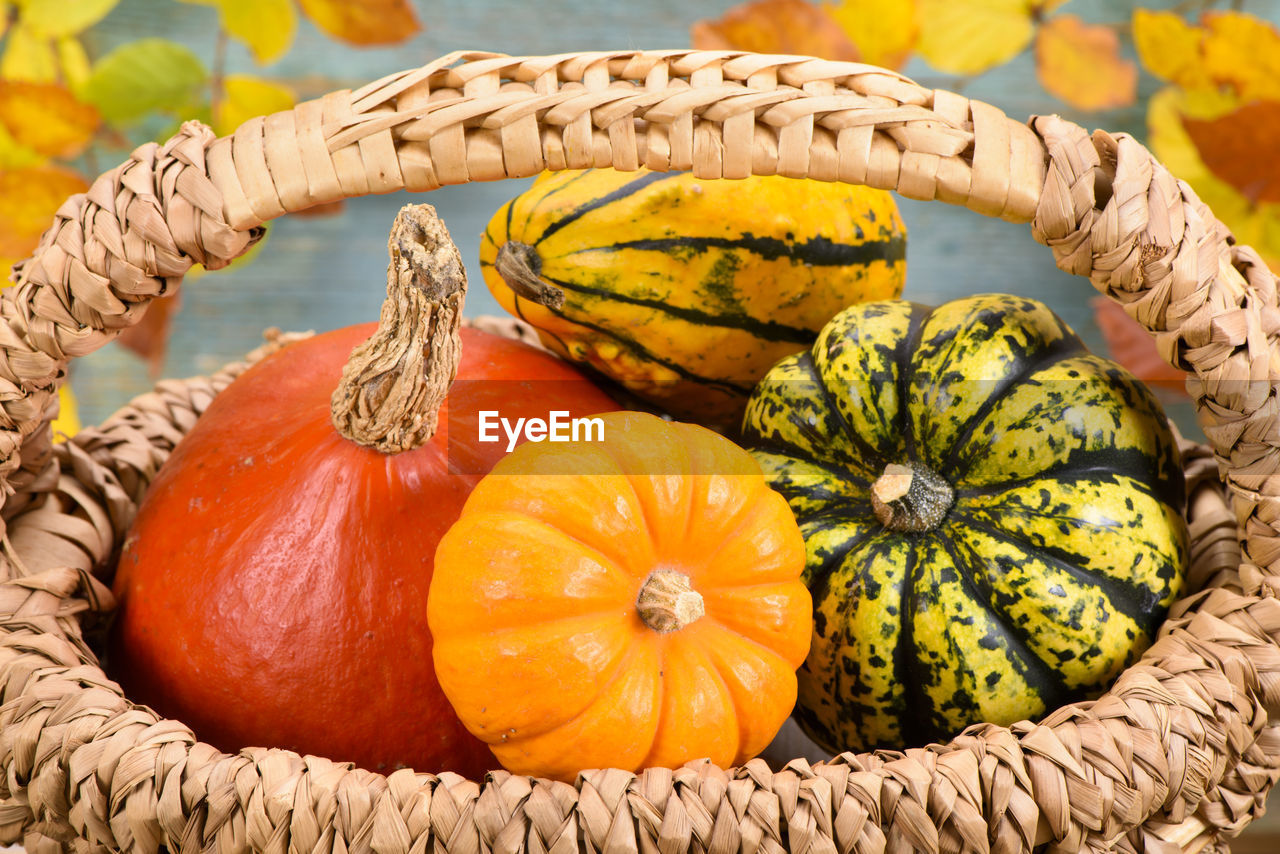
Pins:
<point x="267" y="27"/>
<point x="246" y="97"/>
<point x="970" y="36"/>
<point x="776" y="26"/>
<point x="1134" y="348"/>
<point x="29" y="197"/>
<point x="1242" y="148"/>
<point x="1081" y="64"/>
<point x="143" y="76"/>
<point x="1169" y="47"/>
<point x="1243" y="52"/>
<point x="884" y="31"/>
<point x="28" y="56"/>
<point x="47" y="118"/>
<point x="363" y="22"/>
<point x="1229" y="50"/>
<point x="73" y="61"/>
<point x="54" y="18"/>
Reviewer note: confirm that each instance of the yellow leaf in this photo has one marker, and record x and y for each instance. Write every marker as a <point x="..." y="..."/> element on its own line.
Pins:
<point x="247" y="97"/>
<point x="1081" y="64"/>
<point x="884" y="31"/>
<point x="1254" y="224"/>
<point x="73" y="60"/>
<point x="53" y="18"/>
<point x="29" y="197"/>
<point x="970" y="36"/>
<point x="28" y="56"/>
<point x="1228" y="50"/>
<point x="68" y="421"/>
<point x="776" y="26"/>
<point x="1243" y="52"/>
<point x="363" y="22"/>
<point x="47" y="118"/>
<point x="1169" y="47"/>
<point x="4" y="17"/>
<point x="266" y="26"/>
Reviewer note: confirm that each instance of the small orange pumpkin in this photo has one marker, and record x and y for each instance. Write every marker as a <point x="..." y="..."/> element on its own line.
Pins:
<point x="625" y="603"/>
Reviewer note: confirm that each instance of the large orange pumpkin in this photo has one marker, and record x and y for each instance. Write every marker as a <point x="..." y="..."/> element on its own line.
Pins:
<point x="628" y="602"/>
<point x="273" y="587"/>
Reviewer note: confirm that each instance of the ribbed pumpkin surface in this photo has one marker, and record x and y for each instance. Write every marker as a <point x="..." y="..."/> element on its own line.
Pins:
<point x="687" y="290"/>
<point x="1053" y="566"/>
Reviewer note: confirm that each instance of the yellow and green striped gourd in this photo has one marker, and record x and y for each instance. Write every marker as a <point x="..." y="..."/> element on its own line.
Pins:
<point x="686" y="291"/>
<point x="993" y="516"/>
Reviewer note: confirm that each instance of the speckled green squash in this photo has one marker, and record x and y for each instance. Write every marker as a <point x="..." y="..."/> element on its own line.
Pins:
<point x="1046" y="570"/>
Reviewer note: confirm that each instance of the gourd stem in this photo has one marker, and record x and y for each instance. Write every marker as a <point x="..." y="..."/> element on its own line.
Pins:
<point x="519" y="265"/>
<point x="392" y="387"/>
<point x="911" y="497"/>
<point x="667" y="602"/>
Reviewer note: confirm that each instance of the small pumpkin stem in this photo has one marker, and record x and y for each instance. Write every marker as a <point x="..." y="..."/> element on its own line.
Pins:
<point x="519" y="265"/>
<point x="667" y="602"/>
<point x="910" y="498"/>
<point x="392" y="387"/>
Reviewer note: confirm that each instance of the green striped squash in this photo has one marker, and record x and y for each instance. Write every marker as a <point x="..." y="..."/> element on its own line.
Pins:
<point x="993" y="516"/>
<point x="686" y="291"/>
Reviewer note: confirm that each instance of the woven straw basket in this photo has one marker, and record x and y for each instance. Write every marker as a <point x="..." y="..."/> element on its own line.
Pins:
<point x="1179" y="755"/>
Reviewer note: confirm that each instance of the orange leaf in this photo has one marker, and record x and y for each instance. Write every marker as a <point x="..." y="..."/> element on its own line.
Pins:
<point x="363" y="22"/>
<point x="1081" y="64"/>
<point x="29" y="198"/>
<point x="776" y="26"/>
<point x="1242" y="148"/>
<point x="1134" y="348"/>
<point x="47" y="118"/>
<point x="149" y="337"/>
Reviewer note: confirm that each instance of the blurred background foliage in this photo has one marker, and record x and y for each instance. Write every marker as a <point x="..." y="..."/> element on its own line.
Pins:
<point x="84" y="81"/>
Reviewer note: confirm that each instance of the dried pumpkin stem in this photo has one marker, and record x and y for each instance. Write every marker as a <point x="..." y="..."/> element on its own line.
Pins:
<point x="910" y="498"/>
<point x="519" y="265"/>
<point x="394" y="383"/>
<point x="667" y="602"/>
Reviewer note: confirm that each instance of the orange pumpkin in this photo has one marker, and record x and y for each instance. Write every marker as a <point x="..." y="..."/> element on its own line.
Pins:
<point x="628" y="603"/>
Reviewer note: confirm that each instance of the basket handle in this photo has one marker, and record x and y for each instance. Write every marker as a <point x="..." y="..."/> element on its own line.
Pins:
<point x="1106" y="208"/>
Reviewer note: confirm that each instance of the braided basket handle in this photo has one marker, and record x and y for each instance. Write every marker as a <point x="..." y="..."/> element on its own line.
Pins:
<point x="1102" y="203"/>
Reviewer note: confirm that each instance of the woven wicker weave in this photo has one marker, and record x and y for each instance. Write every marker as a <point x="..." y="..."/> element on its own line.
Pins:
<point x="1177" y="756"/>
